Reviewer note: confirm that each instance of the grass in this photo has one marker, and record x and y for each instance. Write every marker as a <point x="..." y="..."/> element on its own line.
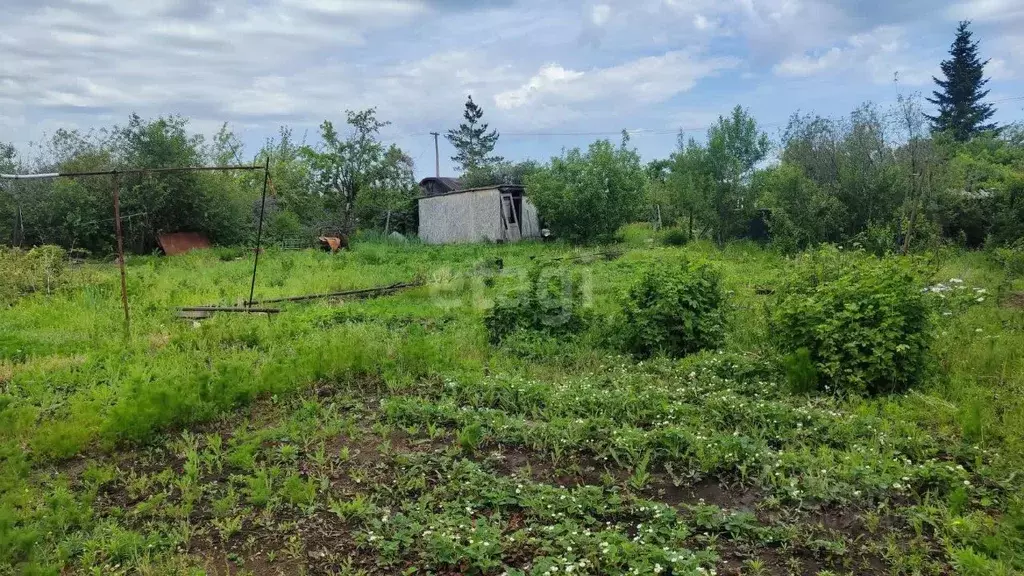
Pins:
<point x="387" y="436"/>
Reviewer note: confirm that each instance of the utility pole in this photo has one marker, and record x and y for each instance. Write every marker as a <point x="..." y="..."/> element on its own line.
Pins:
<point x="437" y="156"/>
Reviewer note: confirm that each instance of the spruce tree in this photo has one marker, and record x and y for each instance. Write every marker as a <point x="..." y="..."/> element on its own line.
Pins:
<point x="961" y="110"/>
<point x="472" y="140"/>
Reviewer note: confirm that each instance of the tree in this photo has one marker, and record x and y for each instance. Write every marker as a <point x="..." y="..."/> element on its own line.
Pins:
<point x="851" y="160"/>
<point x="345" y="167"/>
<point x="802" y="215"/>
<point x="358" y="165"/>
<point x="735" y="147"/>
<point x="296" y="207"/>
<point x="961" y="110"/>
<point x="690" y="181"/>
<point x="390" y="204"/>
<point x="472" y="140"/>
<point x="8" y="204"/>
<point x="587" y="197"/>
<point x="502" y="172"/>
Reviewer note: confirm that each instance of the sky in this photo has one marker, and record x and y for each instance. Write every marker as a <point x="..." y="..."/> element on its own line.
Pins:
<point x="549" y="74"/>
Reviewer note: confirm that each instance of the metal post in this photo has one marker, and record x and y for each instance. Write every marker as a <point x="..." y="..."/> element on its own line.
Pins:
<point x="437" y="156"/>
<point x="120" y="250"/>
<point x="259" y="232"/>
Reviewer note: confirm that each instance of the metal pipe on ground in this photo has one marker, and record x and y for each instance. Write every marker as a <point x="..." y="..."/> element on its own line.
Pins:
<point x="381" y="290"/>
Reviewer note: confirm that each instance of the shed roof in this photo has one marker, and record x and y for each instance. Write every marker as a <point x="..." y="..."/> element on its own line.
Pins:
<point x="444" y="183"/>
<point x="499" y="187"/>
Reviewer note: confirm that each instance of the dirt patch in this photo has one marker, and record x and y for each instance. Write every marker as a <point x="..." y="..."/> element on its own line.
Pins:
<point x="706" y="491"/>
<point x="1013" y="300"/>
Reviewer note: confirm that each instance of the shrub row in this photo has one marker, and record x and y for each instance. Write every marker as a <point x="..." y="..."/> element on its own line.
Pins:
<point x="840" y="321"/>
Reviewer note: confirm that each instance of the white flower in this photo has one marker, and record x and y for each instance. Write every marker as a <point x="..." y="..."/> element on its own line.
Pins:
<point x="956" y="280"/>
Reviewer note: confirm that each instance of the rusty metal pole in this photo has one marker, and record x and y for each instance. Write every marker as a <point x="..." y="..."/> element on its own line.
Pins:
<point x="120" y="251"/>
<point x="259" y="231"/>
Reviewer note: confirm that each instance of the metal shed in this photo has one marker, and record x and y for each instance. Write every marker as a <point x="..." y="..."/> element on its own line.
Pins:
<point x="500" y="213"/>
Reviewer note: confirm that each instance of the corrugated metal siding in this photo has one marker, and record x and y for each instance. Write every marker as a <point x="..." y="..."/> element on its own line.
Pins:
<point x="467" y="217"/>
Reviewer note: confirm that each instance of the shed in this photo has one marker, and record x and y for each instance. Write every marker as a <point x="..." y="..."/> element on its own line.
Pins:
<point x="499" y="213"/>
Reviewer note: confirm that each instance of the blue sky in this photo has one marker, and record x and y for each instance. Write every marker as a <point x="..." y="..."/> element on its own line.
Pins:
<point x="548" y="74"/>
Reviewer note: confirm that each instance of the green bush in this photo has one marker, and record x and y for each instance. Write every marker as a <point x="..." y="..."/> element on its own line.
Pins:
<point x="42" y="268"/>
<point x="677" y="310"/>
<point x="1010" y="259"/>
<point x="551" y="304"/>
<point x="865" y="321"/>
<point x="674" y="237"/>
<point x="587" y="196"/>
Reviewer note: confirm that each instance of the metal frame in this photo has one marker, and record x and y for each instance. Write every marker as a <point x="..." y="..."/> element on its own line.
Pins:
<point x="116" y="174"/>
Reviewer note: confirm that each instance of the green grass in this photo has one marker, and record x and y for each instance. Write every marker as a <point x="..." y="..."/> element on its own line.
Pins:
<point x="387" y="436"/>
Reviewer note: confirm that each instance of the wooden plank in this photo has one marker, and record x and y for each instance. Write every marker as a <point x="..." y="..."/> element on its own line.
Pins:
<point x="509" y="221"/>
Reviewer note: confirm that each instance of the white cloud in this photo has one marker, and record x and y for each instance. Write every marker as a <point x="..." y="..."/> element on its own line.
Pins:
<point x="535" y="65"/>
<point x="998" y="69"/>
<point x="801" y="65"/>
<point x="878" y="54"/>
<point x="987" y="10"/>
<point x="642" y="81"/>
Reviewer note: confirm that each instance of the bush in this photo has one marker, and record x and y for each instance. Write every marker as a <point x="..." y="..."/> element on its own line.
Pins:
<point x="1010" y="259"/>
<point x="677" y="310"/>
<point x="864" y="321"/>
<point x="586" y="197"/>
<point x="552" y="304"/>
<point x="674" y="237"/>
<point x="39" y="269"/>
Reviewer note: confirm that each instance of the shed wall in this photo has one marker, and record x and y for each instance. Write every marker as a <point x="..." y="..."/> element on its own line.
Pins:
<point x="531" y="224"/>
<point x="464" y="217"/>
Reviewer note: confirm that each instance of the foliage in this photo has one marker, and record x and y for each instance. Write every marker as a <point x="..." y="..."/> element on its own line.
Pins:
<point x="551" y="303"/>
<point x="1010" y="259"/>
<point x="674" y="237"/>
<point x="848" y="160"/>
<point x="734" y="148"/>
<point x="801" y="373"/>
<point x="291" y="186"/>
<point x="513" y="173"/>
<point x="982" y="187"/>
<point x="425" y="449"/>
<point x="801" y="214"/>
<point x="865" y="321"/>
<point x="41" y="269"/>
<point x="961" y="110"/>
<point x="472" y="141"/>
<point x="391" y="204"/>
<point x="347" y="169"/>
<point x="675" y="309"/>
<point x="710" y="182"/>
<point x="688" y="183"/>
<point x="586" y="197"/>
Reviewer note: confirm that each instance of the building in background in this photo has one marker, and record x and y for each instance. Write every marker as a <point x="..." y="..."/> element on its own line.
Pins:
<point x="500" y="213"/>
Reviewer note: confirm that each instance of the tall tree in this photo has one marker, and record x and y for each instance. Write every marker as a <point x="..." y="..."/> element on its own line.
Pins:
<point x="472" y="140"/>
<point x="735" y="146"/>
<point x="347" y="169"/>
<point x="961" y="110"/>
